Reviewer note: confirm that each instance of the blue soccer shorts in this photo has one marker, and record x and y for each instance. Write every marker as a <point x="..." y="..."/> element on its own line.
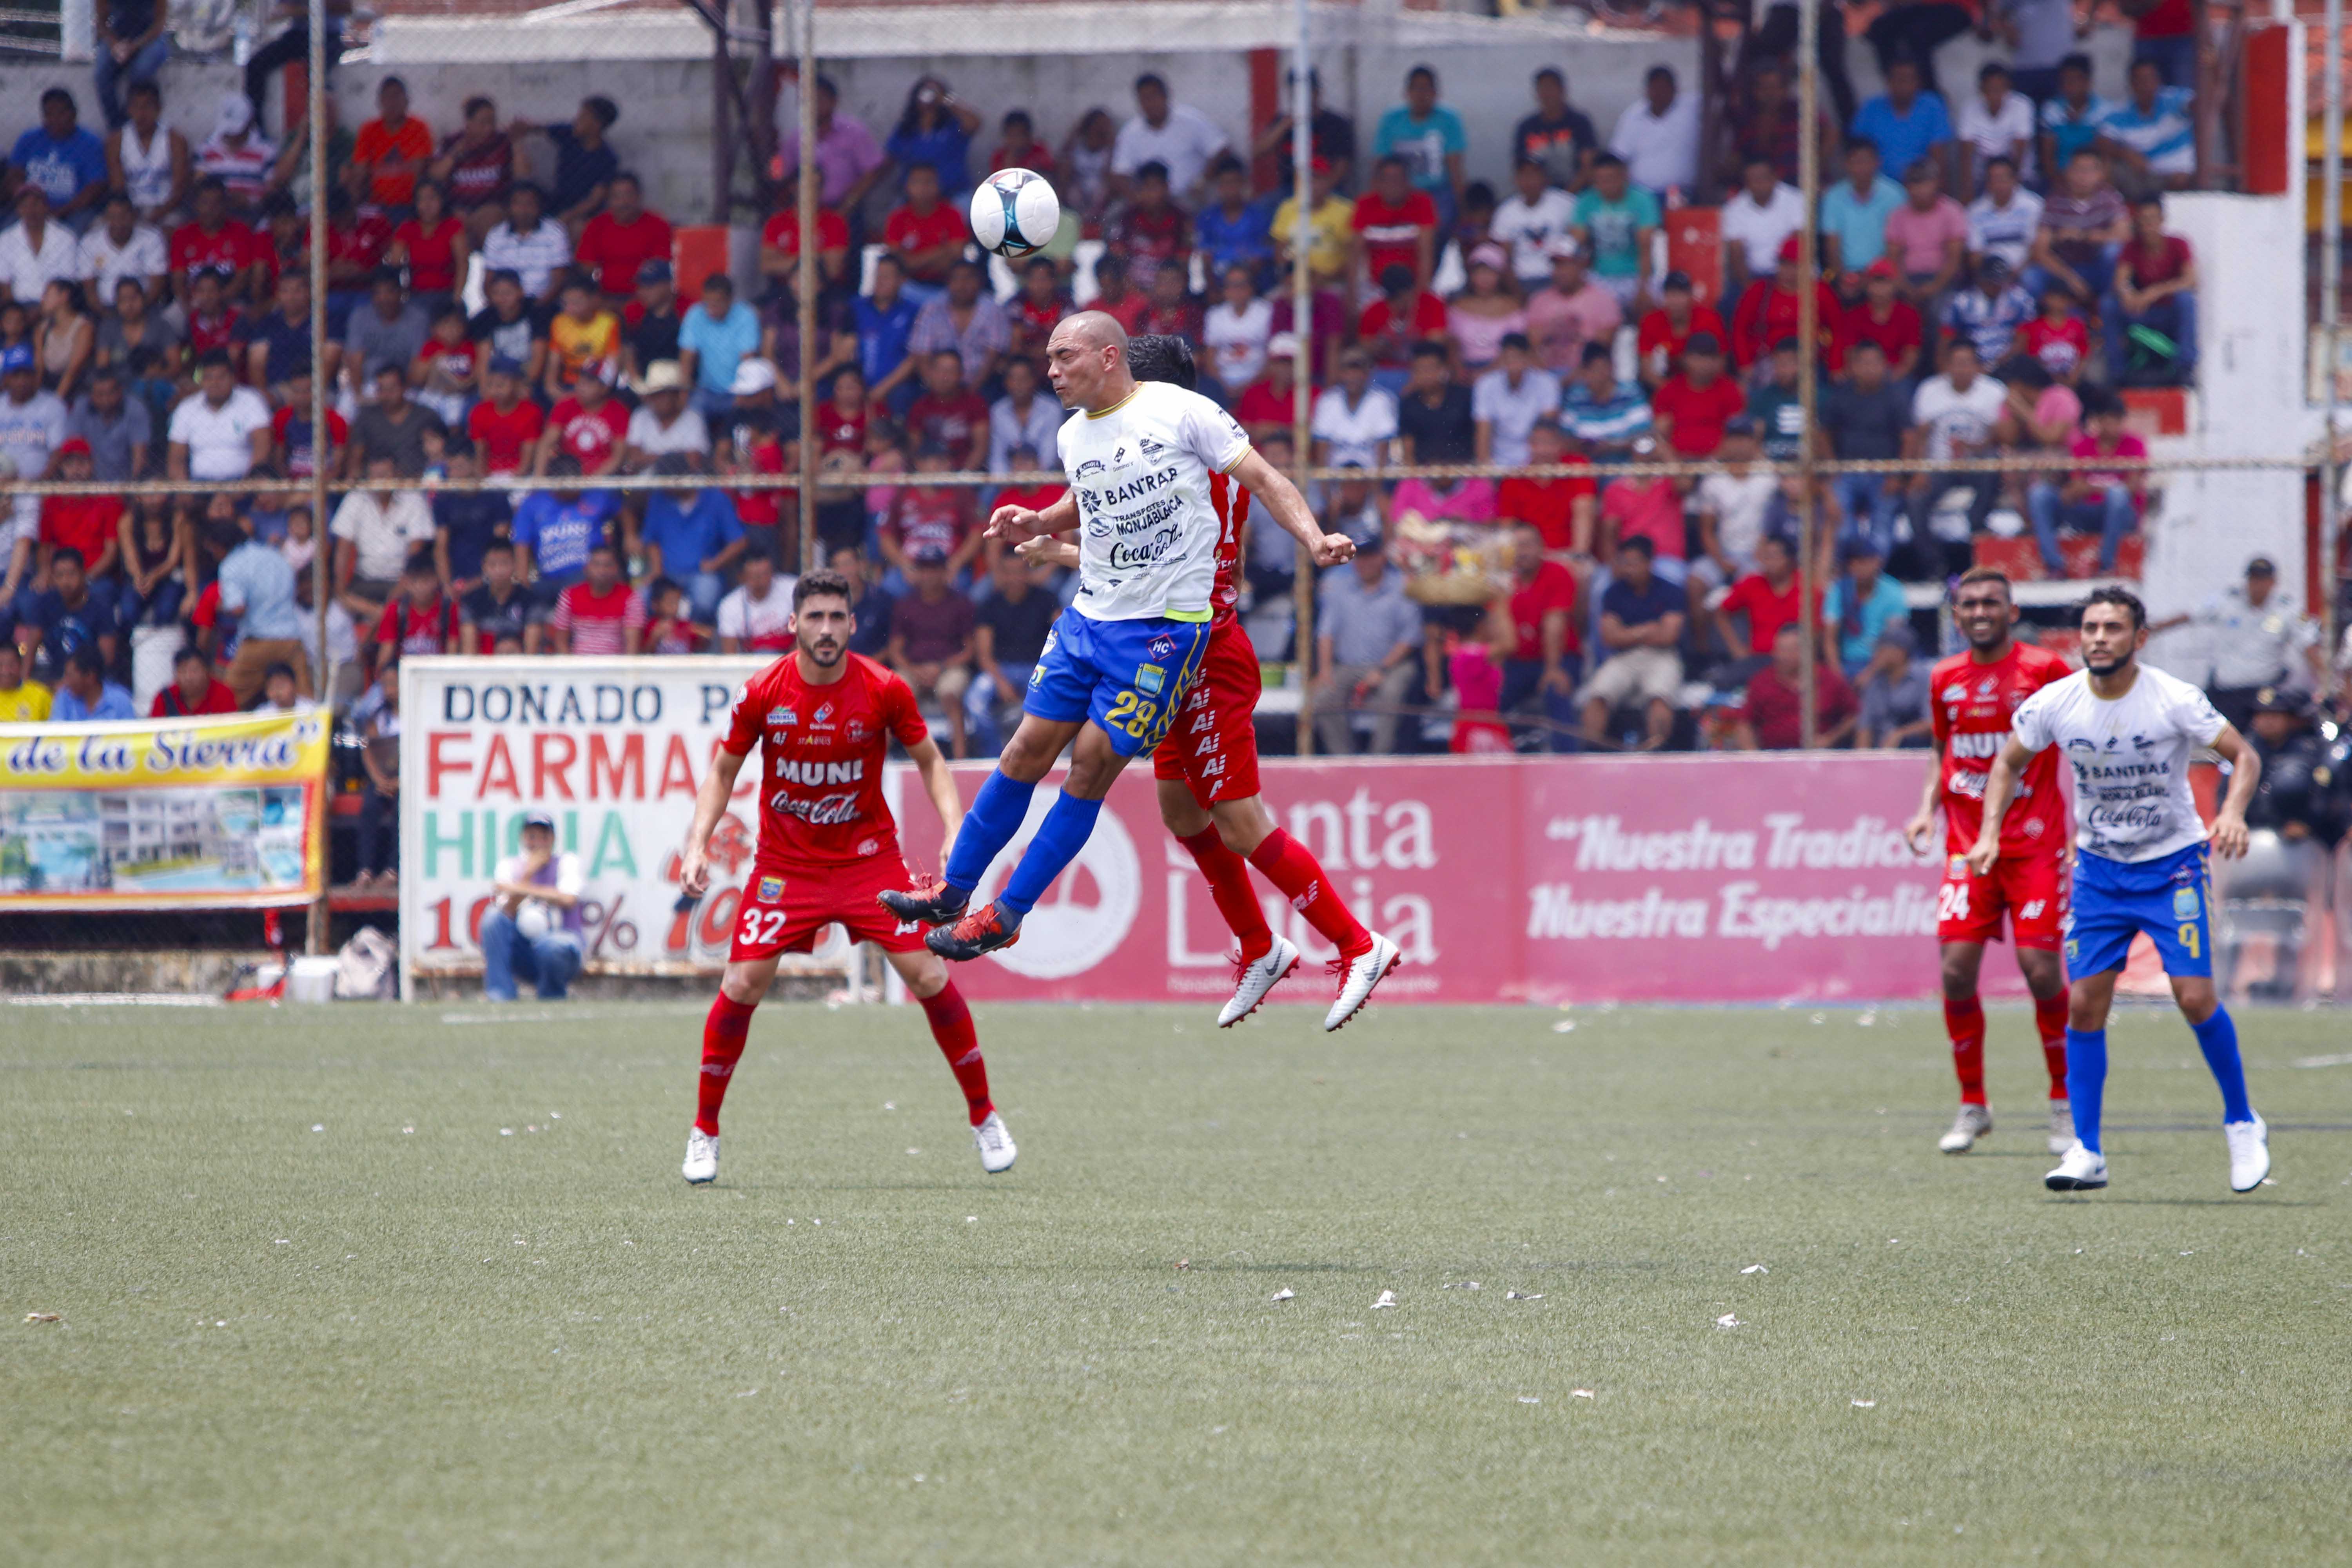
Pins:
<point x="1128" y="676"/>
<point x="2167" y="898"/>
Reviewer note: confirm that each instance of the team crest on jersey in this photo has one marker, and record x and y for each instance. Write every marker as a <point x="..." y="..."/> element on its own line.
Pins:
<point x="855" y="731"/>
<point x="1163" y="646"/>
<point x="1149" y="678"/>
<point x="783" y="715"/>
<point x="2184" y="903"/>
<point x="771" y="889"/>
<point x="1150" y="447"/>
<point x="869" y="846"/>
<point x="1091" y="466"/>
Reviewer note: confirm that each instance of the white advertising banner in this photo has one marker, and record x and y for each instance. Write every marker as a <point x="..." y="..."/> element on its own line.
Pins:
<point x="614" y="750"/>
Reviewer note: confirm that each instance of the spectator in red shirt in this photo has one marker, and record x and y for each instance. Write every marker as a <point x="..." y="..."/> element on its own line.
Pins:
<point x="626" y="236"/>
<point x="1403" y="315"/>
<point x="419" y="619"/>
<point x="601" y="614"/>
<point x="192" y="691"/>
<point x="2058" y="338"/>
<point x="477" y="164"/>
<point x="1546" y="652"/>
<point x="504" y="426"/>
<point x="1666" y="331"/>
<point x="669" y="627"/>
<point x="780" y="242"/>
<point x="1886" y="319"/>
<point x="1116" y="299"/>
<point x="949" y="415"/>
<point x="1691" y="406"/>
<point x="928" y="235"/>
<point x="1767" y="597"/>
<point x="294" y="444"/>
<point x="1266" y="404"/>
<point x="1766" y="314"/>
<point x="1774" y="718"/>
<point x="2155" y="288"/>
<point x="1395" y="225"/>
<point x="1037" y="310"/>
<point x="1650" y="510"/>
<point x="1559" y="506"/>
<point x="391" y="151"/>
<point x="1152" y="231"/>
<point x="2107" y="500"/>
<point x="211" y="239"/>
<point x="92" y="525"/>
<point x="931" y="518"/>
<point x="590" y="425"/>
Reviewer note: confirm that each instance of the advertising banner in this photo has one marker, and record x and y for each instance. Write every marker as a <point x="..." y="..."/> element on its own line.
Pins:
<point x="1700" y="878"/>
<point x="213" y="813"/>
<point x="614" y="750"/>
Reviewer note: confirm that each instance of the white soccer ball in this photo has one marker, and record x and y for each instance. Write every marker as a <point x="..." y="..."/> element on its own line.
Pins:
<point x="533" y="921"/>
<point x="1015" y="213"/>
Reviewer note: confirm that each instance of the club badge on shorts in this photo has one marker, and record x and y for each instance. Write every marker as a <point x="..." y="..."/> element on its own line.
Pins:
<point x="2184" y="903"/>
<point x="1163" y="646"/>
<point x="771" y="889"/>
<point x="1149" y="678"/>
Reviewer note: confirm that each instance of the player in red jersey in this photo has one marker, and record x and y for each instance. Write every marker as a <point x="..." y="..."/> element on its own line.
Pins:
<point x="1206" y="769"/>
<point x="824" y="718"/>
<point x="1971" y="699"/>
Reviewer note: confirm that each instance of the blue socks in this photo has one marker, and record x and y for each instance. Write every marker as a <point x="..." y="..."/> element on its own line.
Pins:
<point x="2217" y="1036"/>
<point x="2086" y="1081"/>
<point x="994" y="817"/>
<point x="1059" y="838"/>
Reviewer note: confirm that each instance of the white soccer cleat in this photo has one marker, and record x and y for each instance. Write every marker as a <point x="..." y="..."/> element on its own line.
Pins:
<point x="1253" y="980"/>
<point x="2062" y="1126"/>
<point x="2250" y="1154"/>
<point x="1368" y="969"/>
<point x="1972" y="1123"/>
<point x="2079" y="1171"/>
<point x="701" y="1157"/>
<point x="997" y="1150"/>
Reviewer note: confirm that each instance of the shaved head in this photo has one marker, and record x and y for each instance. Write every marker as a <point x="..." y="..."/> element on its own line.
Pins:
<point x="1086" y="359"/>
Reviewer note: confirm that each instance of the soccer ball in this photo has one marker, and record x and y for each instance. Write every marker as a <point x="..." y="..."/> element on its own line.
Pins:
<point x="1015" y="213"/>
<point x="533" y="921"/>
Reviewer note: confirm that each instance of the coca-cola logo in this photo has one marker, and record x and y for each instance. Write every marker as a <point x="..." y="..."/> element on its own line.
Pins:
<point x="819" y="811"/>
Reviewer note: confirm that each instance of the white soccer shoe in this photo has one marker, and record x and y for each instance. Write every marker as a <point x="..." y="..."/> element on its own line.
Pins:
<point x="1253" y="980"/>
<point x="997" y="1150"/>
<point x="2079" y="1171"/>
<point x="2250" y="1154"/>
<point x="1972" y="1123"/>
<point x="2062" y="1126"/>
<point x="701" y="1157"/>
<point x="1368" y="969"/>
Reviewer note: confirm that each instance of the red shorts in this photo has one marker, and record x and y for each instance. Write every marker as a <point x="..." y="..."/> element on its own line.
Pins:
<point x="786" y="908"/>
<point x="1212" y="744"/>
<point x="2031" y="888"/>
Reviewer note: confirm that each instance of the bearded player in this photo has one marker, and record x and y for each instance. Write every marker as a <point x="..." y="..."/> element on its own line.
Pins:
<point x="1140" y="459"/>
<point x="823" y="717"/>
<point x="1971" y="696"/>
<point x="1206" y="768"/>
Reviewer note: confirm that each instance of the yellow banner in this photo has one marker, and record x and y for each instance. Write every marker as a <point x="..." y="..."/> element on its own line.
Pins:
<point x="226" y="812"/>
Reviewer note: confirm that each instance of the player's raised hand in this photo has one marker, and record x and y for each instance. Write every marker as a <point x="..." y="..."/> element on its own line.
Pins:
<point x="1015" y="522"/>
<point x="1919" y="832"/>
<point x="694" y="870"/>
<point x="1334" y="549"/>
<point x="2227" y="836"/>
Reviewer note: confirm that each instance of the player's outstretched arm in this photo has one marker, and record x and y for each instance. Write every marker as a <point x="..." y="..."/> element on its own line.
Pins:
<point x="1045" y="548"/>
<point x="1019" y="522"/>
<point x="710" y="806"/>
<point x="1920" y="831"/>
<point x="939" y="784"/>
<point x="1272" y="486"/>
<point x="2001" y="788"/>
<point x="2227" y="835"/>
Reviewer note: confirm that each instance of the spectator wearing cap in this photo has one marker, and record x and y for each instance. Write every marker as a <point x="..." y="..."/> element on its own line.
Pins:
<point x="1907" y="122"/>
<point x="2004" y="217"/>
<point x="2109" y="501"/>
<point x="649" y="322"/>
<point x="547" y="885"/>
<point x="751" y="439"/>
<point x="1366" y="632"/>
<point x="64" y="161"/>
<point x="627" y="234"/>
<point x="533" y="246"/>
<point x="1435" y="420"/>
<point x="1991" y="313"/>
<point x="1509" y="401"/>
<point x="34" y="250"/>
<point x="1605" y="415"/>
<point x="240" y="155"/>
<point x="931" y="637"/>
<point x="1768" y="313"/>
<point x="1772" y="719"/>
<point x="1894" y="691"/>
<point x="388" y="331"/>
<point x="1667" y="331"/>
<point x="1234" y="230"/>
<point x="1485" y="312"/>
<point x="1755" y="222"/>
<point x="1854" y="211"/>
<point x="1571" y="313"/>
<point x="1616" y="221"/>
<point x="2259" y="638"/>
<point x="505" y="426"/>
<point x="1332" y="232"/>
<point x="963" y="321"/>
<point x="1861" y="602"/>
<point x="220" y="431"/>
<point x="83" y="693"/>
<point x="849" y="160"/>
<point x="1536" y="213"/>
<point x="1429" y="136"/>
<point x="664" y="421"/>
<point x="1266" y="404"/>
<point x="1557" y="136"/>
<point x="1885" y="318"/>
<point x="1658" y="136"/>
<point x="1354" y="421"/>
<point x="1642" y="619"/>
<point x="1927" y="236"/>
<point x="1691" y="406"/>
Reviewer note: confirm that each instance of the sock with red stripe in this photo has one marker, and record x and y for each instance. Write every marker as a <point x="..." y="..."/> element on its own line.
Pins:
<point x="2050" y="1018"/>
<point x="1229" y="884"/>
<point x="1964" y="1021"/>
<point x="722" y="1047"/>
<point x="1289" y="866"/>
<point x="960" y="1043"/>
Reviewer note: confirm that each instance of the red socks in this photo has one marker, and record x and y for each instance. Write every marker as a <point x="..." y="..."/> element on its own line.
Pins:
<point x="2050" y="1018"/>
<point x="1289" y="866"/>
<point x="722" y="1047"/>
<point x="951" y="1027"/>
<point x="1229" y="884"/>
<point x="1965" y="1022"/>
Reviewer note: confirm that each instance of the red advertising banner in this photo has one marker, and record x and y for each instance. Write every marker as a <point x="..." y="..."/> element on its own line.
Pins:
<point x="1700" y="878"/>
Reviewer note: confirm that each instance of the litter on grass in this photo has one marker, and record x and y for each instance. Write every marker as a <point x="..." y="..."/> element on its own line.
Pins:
<point x="1729" y="1320"/>
<point x="1529" y="1399"/>
<point x="1284" y="1294"/>
<point x="1522" y="1296"/>
<point x="1756" y="1269"/>
<point x="44" y="1317"/>
<point x="1865" y="1404"/>
<point x="1565" y="1026"/>
<point x="1464" y="1285"/>
<point x="1579" y="1394"/>
<point x="1182" y="1264"/>
<point x="1388" y="1299"/>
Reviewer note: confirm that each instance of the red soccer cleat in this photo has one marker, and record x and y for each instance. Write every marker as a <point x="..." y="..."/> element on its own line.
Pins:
<point x="983" y="930"/>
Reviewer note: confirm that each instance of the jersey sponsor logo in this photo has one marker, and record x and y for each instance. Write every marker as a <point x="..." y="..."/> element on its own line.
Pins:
<point x="783" y="715"/>
<point x="1127" y="554"/>
<point x="824" y="714"/>
<point x="1956" y="692"/>
<point x="794" y="770"/>
<point x="1978" y="743"/>
<point x="771" y="889"/>
<point x="2032" y="911"/>
<point x="1985" y="687"/>
<point x="1091" y="466"/>
<point x="1149" y="678"/>
<point x="824" y="811"/>
<point x="1133" y="489"/>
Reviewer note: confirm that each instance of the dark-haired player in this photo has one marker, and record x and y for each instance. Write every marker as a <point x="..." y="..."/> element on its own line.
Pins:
<point x="2143" y="862"/>
<point x="824" y="718"/>
<point x="1206" y="769"/>
<point x="1970" y="698"/>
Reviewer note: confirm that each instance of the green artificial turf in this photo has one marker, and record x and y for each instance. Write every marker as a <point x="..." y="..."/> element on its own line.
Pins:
<point x="320" y="1306"/>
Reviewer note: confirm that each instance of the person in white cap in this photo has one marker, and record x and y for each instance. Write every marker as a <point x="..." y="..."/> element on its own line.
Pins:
<point x="236" y="153"/>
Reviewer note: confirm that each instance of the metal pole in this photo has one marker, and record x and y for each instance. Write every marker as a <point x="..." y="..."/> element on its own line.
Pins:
<point x="322" y="450"/>
<point x="1302" y="325"/>
<point x="1809" y="181"/>
<point x="807" y="279"/>
<point x="722" y="134"/>
<point x="2331" y="285"/>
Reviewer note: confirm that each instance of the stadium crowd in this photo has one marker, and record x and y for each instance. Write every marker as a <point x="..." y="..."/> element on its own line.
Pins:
<point x="1994" y="274"/>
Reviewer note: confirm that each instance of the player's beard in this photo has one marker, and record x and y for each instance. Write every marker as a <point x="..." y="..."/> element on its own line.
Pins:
<point x="825" y="653"/>
<point x="2108" y="671"/>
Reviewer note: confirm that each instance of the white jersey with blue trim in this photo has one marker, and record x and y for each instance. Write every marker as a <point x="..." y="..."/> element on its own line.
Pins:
<point x="1147" y="527"/>
<point x="2130" y="758"/>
